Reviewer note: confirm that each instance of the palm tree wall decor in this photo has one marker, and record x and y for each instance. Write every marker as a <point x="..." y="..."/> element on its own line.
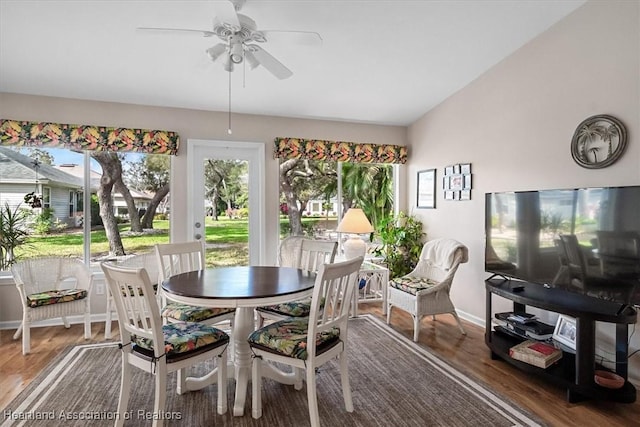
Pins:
<point x="598" y="141"/>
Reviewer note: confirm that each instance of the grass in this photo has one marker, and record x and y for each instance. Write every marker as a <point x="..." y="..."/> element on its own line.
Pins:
<point x="227" y="241"/>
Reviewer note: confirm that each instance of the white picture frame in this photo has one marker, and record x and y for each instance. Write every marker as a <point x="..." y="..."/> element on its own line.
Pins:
<point x="426" y="197"/>
<point x="565" y="332"/>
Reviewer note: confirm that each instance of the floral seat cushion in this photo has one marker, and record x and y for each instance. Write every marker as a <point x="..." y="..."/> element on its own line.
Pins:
<point x="155" y="290"/>
<point x="55" y="296"/>
<point x="300" y="308"/>
<point x="192" y="313"/>
<point x="288" y="337"/>
<point x="183" y="338"/>
<point x="412" y="285"/>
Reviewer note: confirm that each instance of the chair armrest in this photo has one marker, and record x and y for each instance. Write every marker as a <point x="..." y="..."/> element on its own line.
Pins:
<point x="434" y="289"/>
<point x="23" y="295"/>
<point x="84" y="280"/>
<point x="90" y="286"/>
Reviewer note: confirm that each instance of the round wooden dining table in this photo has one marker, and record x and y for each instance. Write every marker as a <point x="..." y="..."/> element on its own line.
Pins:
<point x="242" y="288"/>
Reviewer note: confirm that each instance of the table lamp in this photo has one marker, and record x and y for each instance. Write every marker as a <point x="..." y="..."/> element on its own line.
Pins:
<point x="354" y="222"/>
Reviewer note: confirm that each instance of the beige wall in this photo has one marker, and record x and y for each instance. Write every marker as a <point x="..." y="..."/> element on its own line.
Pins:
<point x="189" y="124"/>
<point x="514" y="125"/>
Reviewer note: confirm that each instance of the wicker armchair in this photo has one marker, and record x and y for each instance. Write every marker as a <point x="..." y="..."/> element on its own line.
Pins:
<point x="49" y="288"/>
<point x="425" y="291"/>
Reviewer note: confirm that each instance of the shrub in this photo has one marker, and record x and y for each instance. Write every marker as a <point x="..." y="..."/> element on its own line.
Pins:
<point x="43" y="221"/>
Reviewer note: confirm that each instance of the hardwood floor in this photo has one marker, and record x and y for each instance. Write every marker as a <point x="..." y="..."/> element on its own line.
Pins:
<point x="467" y="353"/>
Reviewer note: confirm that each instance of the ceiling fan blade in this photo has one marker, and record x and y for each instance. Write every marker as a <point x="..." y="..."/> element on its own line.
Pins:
<point x="274" y="66"/>
<point x="226" y="15"/>
<point x="204" y="33"/>
<point x="306" y="38"/>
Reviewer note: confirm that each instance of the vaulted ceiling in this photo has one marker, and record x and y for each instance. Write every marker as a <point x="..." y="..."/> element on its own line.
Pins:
<point x="384" y="62"/>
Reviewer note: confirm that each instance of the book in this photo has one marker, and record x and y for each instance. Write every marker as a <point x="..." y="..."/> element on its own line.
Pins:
<point x="536" y="353"/>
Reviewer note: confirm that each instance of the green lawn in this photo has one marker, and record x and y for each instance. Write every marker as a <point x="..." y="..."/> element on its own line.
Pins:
<point x="227" y="241"/>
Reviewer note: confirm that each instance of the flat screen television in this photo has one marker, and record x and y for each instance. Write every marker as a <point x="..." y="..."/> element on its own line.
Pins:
<point x="524" y="239"/>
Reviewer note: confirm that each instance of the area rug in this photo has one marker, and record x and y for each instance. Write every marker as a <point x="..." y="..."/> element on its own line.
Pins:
<point x="394" y="382"/>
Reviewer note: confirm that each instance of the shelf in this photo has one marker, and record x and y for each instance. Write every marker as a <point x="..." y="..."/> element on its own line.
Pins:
<point x="575" y="371"/>
<point x="561" y="373"/>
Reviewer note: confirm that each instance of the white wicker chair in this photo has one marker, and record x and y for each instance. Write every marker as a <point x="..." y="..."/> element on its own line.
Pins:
<point x="425" y="291"/>
<point x="303" y="253"/>
<point x="49" y="288"/>
<point x="289" y="251"/>
<point x="308" y="343"/>
<point x="149" y="262"/>
<point x="183" y="345"/>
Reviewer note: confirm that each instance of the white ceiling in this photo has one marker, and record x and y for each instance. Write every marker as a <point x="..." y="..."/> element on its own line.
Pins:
<point x="385" y="62"/>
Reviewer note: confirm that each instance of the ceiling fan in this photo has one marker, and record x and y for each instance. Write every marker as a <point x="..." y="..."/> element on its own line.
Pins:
<point x="239" y="35"/>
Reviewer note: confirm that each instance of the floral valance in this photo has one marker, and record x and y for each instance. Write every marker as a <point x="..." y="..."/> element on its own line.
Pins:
<point x="87" y="137"/>
<point x="313" y="149"/>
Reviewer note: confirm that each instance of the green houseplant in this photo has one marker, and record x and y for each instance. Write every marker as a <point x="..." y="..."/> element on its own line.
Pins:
<point x="13" y="233"/>
<point x="402" y="239"/>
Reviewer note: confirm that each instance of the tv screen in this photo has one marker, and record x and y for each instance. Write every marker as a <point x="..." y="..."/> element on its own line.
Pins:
<point x="585" y="240"/>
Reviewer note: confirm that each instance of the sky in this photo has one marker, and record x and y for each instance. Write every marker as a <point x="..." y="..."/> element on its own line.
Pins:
<point x="63" y="156"/>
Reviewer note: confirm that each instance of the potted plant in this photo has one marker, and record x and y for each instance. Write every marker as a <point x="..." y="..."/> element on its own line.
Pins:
<point x="402" y="239"/>
<point x="13" y="233"/>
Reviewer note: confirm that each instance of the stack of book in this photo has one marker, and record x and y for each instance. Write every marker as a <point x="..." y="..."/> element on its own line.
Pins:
<point x="524" y="325"/>
<point x="536" y="353"/>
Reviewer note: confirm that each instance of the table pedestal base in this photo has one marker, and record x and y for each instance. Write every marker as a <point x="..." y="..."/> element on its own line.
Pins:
<point x="241" y="365"/>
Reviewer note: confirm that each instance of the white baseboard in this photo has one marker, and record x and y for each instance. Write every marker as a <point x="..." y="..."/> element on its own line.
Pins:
<point x="471" y="318"/>
<point x="95" y="318"/>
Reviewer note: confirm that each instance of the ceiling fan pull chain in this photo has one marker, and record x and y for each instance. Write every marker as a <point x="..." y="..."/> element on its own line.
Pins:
<point x="229" y="128"/>
<point x="244" y="70"/>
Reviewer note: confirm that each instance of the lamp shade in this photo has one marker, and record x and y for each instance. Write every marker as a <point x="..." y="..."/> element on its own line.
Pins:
<point x="215" y="51"/>
<point x="356" y="222"/>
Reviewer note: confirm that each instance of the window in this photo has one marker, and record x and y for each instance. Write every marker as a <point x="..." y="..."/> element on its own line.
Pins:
<point x="72" y="204"/>
<point x="314" y="194"/>
<point x="61" y="230"/>
<point x="46" y="197"/>
<point x="111" y="152"/>
<point x="330" y="177"/>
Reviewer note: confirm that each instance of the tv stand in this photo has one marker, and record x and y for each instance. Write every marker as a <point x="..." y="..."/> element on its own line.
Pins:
<point x="573" y="371"/>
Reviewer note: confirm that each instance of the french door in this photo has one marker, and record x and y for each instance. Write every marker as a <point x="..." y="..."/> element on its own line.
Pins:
<point x="219" y="213"/>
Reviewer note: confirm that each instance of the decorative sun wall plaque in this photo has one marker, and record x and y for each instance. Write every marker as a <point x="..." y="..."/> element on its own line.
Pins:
<point x="598" y="141"/>
<point x="456" y="182"/>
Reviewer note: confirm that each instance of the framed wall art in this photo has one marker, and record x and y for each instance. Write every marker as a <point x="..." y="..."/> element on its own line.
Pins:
<point x="456" y="182"/>
<point x="598" y="142"/>
<point x="565" y="331"/>
<point x="426" y="189"/>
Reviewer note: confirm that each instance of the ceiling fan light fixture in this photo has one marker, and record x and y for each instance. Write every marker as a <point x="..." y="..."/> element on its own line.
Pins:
<point x="227" y="64"/>
<point x="235" y="51"/>
<point x="214" y="52"/>
<point x="251" y="59"/>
